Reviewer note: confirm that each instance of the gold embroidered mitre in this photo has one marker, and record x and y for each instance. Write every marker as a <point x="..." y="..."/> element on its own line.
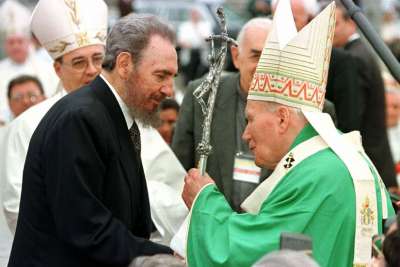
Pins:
<point x="62" y="26"/>
<point x="293" y="66"/>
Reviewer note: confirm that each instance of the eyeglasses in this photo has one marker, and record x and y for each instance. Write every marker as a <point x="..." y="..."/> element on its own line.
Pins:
<point x="32" y="97"/>
<point x="81" y="64"/>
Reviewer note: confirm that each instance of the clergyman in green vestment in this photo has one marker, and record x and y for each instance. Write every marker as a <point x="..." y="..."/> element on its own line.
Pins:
<point x="323" y="185"/>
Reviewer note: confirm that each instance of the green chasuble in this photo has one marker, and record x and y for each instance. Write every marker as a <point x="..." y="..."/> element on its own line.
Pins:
<point x="315" y="198"/>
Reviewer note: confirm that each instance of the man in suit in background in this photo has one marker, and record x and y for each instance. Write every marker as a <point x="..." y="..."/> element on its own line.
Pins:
<point x="373" y="127"/>
<point x="228" y="119"/>
<point x="344" y="90"/>
<point x="227" y="163"/>
<point x="84" y="198"/>
<point x="23" y="92"/>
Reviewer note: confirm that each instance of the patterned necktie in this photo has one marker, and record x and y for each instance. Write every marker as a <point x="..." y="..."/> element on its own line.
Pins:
<point x="135" y="137"/>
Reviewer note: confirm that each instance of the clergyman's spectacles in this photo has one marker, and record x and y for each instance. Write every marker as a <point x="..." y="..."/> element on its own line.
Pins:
<point x="81" y="64"/>
<point x="33" y="97"/>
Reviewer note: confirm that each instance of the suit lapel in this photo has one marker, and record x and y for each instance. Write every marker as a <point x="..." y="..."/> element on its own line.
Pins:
<point x="224" y="130"/>
<point x="104" y="94"/>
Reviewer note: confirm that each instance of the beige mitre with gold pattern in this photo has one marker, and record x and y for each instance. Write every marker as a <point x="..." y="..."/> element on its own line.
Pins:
<point x="293" y="67"/>
<point x="62" y="26"/>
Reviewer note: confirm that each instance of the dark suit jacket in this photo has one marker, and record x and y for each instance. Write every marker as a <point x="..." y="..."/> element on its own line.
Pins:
<point x="189" y="128"/>
<point x="344" y="90"/>
<point x="373" y="126"/>
<point x="84" y="198"/>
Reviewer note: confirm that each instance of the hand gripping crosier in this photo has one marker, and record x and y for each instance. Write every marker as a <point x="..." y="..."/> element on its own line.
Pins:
<point x="217" y="61"/>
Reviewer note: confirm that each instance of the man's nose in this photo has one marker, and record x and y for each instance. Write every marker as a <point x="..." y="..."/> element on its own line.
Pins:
<point x="246" y="135"/>
<point x="92" y="69"/>
<point x="168" y="89"/>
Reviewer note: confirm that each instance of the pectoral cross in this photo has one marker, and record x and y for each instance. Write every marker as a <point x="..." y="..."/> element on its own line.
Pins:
<point x="289" y="160"/>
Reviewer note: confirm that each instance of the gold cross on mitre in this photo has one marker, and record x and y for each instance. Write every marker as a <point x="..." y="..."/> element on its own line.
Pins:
<point x="293" y="66"/>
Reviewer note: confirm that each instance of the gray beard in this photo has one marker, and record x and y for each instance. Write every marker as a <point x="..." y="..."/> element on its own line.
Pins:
<point x="147" y="119"/>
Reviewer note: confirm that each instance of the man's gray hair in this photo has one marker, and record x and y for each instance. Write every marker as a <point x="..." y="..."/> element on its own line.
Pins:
<point x="260" y="22"/>
<point x="273" y="106"/>
<point x="286" y="258"/>
<point x="132" y="34"/>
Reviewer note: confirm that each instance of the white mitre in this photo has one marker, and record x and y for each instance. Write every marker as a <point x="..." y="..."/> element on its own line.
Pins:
<point x="62" y="26"/>
<point x="14" y="18"/>
<point x="293" y="67"/>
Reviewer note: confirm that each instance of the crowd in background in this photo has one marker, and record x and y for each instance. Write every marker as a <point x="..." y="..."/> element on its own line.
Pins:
<point x="27" y="77"/>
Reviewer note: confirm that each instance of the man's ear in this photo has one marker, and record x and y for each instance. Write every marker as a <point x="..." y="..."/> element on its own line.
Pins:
<point x="235" y="56"/>
<point x="57" y="68"/>
<point x="284" y="115"/>
<point x="123" y="64"/>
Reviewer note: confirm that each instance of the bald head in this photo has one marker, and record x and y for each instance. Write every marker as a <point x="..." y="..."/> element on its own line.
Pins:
<point x="264" y="24"/>
<point x="251" y="40"/>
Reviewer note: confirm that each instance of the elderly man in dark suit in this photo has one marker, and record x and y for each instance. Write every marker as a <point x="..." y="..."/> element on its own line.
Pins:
<point x="373" y="127"/>
<point x="84" y="197"/>
<point x="230" y="152"/>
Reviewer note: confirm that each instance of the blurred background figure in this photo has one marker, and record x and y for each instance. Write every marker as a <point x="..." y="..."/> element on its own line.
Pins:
<point x="259" y="8"/>
<point x="392" y="95"/>
<point x="390" y="20"/>
<point x="160" y="260"/>
<point x="386" y="247"/>
<point x="23" y="92"/>
<point x="125" y="7"/>
<point x="169" y="111"/>
<point x="194" y="49"/>
<point x="14" y="25"/>
<point x="286" y="258"/>
<point x="394" y="46"/>
<point x="303" y="11"/>
<point x="391" y="244"/>
<point x="39" y="52"/>
<point x="373" y="124"/>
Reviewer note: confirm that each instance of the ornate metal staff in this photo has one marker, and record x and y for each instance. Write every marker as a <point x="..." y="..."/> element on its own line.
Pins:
<point x="217" y="61"/>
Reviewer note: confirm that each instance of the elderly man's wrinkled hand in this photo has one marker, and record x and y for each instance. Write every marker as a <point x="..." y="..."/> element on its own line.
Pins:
<point x="194" y="182"/>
